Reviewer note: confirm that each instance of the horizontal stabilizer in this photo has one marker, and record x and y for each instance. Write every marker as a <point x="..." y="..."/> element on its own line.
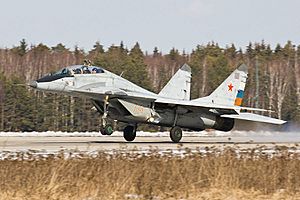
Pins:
<point x="255" y="118"/>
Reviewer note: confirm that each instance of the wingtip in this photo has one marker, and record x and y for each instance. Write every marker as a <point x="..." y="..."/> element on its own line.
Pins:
<point x="186" y="67"/>
<point x="283" y="122"/>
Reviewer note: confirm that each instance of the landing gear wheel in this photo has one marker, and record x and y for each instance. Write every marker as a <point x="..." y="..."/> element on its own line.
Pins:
<point x="102" y="131"/>
<point x="129" y="133"/>
<point x="176" y="134"/>
<point x="107" y="129"/>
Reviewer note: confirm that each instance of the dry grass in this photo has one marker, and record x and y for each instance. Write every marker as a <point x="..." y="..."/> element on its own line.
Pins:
<point x="215" y="175"/>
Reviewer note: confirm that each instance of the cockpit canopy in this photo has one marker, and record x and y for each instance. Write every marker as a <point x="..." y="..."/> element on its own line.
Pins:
<point x="79" y="69"/>
<point x="71" y="71"/>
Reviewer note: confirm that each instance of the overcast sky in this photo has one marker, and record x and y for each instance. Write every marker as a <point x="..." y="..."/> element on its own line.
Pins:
<point x="163" y="23"/>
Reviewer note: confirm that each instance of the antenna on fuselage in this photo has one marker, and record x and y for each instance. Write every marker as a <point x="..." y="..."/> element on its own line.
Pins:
<point x="121" y="73"/>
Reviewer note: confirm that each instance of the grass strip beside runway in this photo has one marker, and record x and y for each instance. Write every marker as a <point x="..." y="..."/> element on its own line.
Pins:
<point x="215" y="174"/>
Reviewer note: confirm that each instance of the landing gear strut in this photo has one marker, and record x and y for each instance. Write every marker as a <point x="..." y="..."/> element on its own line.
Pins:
<point x="106" y="128"/>
<point x="129" y="133"/>
<point x="176" y="134"/>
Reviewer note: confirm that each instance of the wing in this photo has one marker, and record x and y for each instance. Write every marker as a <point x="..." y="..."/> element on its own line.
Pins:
<point x="191" y="104"/>
<point x="224" y="110"/>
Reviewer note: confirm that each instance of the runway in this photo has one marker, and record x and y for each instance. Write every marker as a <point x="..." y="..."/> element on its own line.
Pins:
<point x="95" y="142"/>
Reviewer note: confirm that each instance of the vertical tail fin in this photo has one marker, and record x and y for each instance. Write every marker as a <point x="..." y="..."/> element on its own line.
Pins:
<point x="231" y="91"/>
<point x="179" y="86"/>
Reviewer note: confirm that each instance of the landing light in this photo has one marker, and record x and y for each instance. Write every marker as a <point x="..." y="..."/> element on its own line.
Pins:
<point x="151" y="119"/>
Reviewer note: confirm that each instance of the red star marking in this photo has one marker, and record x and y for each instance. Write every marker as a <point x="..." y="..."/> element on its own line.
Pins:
<point x="230" y="86"/>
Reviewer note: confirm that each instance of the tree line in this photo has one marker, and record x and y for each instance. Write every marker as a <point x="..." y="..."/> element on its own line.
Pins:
<point x="273" y="80"/>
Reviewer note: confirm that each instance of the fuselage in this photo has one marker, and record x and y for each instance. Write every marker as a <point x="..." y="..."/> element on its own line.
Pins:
<point x="128" y="102"/>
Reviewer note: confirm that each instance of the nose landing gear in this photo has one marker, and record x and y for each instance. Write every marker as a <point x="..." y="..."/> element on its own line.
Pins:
<point x="106" y="128"/>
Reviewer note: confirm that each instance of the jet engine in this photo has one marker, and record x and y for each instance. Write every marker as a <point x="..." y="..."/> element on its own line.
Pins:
<point x="223" y="124"/>
<point x="215" y="122"/>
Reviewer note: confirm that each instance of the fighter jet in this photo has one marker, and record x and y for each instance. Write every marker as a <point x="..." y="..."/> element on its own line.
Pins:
<point x="119" y="99"/>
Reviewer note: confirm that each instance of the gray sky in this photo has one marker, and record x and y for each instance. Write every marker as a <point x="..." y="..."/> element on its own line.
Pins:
<point x="163" y="23"/>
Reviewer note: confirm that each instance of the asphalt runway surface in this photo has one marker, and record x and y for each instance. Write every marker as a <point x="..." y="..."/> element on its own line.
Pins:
<point x="44" y="143"/>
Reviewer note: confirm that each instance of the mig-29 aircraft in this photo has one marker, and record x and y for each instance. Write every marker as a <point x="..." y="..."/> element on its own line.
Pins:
<point x="119" y="99"/>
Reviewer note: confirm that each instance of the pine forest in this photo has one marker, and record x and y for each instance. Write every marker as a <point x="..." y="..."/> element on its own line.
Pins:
<point x="273" y="80"/>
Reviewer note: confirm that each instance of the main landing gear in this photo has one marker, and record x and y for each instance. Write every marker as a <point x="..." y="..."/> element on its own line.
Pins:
<point x="129" y="133"/>
<point x="176" y="134"/>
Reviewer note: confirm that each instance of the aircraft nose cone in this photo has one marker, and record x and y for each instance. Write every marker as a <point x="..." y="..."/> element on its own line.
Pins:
<point x="33" y="84"/>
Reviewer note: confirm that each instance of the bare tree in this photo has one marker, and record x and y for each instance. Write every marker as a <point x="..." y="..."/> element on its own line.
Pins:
<point x="281" y="83"/>
<point x="271" y="73"/>
<point x="297" y="79"/>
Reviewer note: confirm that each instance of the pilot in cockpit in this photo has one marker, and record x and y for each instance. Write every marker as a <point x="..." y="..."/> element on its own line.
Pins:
<point x="86" y="70"/>
<point x="78" y="71"/>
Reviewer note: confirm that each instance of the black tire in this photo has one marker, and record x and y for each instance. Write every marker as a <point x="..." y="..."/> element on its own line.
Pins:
<point x="102" y="131"/>
<point x="176" y="134"/>
<point x="108" y="129"/>
<point x="129" y="133"/>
